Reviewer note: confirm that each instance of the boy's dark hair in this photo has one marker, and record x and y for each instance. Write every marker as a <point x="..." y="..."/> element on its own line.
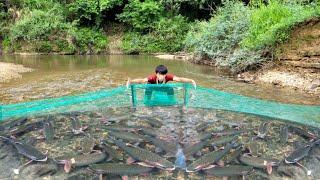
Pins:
<point x="161" y="69"/>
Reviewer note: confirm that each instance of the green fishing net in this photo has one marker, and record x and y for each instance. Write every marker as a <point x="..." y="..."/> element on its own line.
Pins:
<point x="164" y="95"/>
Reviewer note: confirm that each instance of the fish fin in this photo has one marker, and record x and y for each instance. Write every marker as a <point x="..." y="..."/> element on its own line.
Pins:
<point x="67" y="166"/>
<point x="198" y="168"/>
<point x="130" y="160"/>
<point x="190" y="171"/>
<point x="145" y="164"/>
<point x="269" y="169"/>
<point x="209" y="167"/>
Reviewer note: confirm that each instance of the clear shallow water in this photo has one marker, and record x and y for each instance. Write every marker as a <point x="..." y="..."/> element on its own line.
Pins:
<point x="64" y="75"/>
<point x="56" y="76"/>
<point x="175" y="125"/>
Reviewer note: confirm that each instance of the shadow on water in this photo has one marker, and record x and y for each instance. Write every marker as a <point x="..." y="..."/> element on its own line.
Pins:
<point x="244" y="144"/>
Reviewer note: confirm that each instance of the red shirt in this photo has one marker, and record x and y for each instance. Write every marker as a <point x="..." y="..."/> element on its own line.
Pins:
<point x="152" y="79"/>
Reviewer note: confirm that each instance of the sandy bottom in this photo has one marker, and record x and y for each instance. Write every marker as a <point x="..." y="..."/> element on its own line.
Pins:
<point x="10" y="71"/>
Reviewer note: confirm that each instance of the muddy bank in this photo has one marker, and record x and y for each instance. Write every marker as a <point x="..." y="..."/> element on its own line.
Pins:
<point x="10" y="71"/>
<point x="297" y="63"/>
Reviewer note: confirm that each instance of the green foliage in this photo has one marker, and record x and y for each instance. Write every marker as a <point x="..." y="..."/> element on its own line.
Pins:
<point x="39" y="4"/>
<point x="131" y="43"/>
<point x="48" y="31"/>
<point x="236" y="35"/>
<point x="62" y="45"/>
<point x="90" y="12"/>
<point x="43" y="46"/>
<point x="244" y="59"/>
<point x="170" y="33"/>
<point x="39" y="25"/>
<point x="219" y="37"/>
<point x="166" y="36"/>
<point x="13" y="3"/>
<point x="3" y="19"/>
<point x="89" y="41"/>
<point x="175" y="6"/>
<point x="85" y="12"/>
<point x="109" y="4"/>
<point x="6" y="44"/>
<point x="272" y="23"/>
<point x="142" y="16"/>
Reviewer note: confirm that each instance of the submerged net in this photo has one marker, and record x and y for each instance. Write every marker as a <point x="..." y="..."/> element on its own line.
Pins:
<point x="165" y="95"/>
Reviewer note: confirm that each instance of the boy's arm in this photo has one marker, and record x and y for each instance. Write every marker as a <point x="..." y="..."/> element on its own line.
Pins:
<point x="187" y="80"/>
<point x="139" y="81"/>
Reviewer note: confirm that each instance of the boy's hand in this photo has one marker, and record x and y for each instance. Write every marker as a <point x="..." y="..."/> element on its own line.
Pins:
<point x="194" y="84"/>
<point x="128" y="83"/>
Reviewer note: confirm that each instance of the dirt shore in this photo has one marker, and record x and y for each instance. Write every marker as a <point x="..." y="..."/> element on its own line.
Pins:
<point x="10" y="71"/>
<point x="297" y="64"/>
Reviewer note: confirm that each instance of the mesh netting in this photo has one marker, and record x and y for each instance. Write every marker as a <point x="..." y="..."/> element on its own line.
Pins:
<point x="159" y="95"/>
<point x="165" y="95"/>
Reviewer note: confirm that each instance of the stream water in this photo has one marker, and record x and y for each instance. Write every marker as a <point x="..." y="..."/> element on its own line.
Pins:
<point x="78" y="137"/>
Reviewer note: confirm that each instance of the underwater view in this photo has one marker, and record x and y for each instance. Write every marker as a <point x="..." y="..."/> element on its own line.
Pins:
<point x="173" y="142"/>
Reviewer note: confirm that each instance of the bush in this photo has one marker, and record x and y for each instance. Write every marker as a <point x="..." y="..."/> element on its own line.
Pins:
<point x="63" y="46"/>
<point x="237" y="33"/>
<point x="6" y="43"/>
<point x="85" y="12"/>
<point x="43" y="46"/>
<point x="131" y="43"/>
<point x="4" y="16"/>
<point x="89" y="41"/>
<point x="244" y="59"/>
<point x="141" y="15"/>
<point x="39" y="25"/>
<point x="91" y="12"/>
<point x="219" y="37"/>
<point x="166" y="36"/>
<point x="38" y="4"/>
<point x="271" y="24"/>
<point x="39" y="30"/>
<point x="109" y="4"/>
<point x="170" y="33"/>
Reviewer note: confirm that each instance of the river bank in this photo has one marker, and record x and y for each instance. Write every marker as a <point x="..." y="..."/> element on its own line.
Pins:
<point x="297" y="64"/>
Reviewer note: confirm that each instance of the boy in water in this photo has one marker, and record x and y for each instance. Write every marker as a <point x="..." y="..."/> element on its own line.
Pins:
<point x="161" y="77"/>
